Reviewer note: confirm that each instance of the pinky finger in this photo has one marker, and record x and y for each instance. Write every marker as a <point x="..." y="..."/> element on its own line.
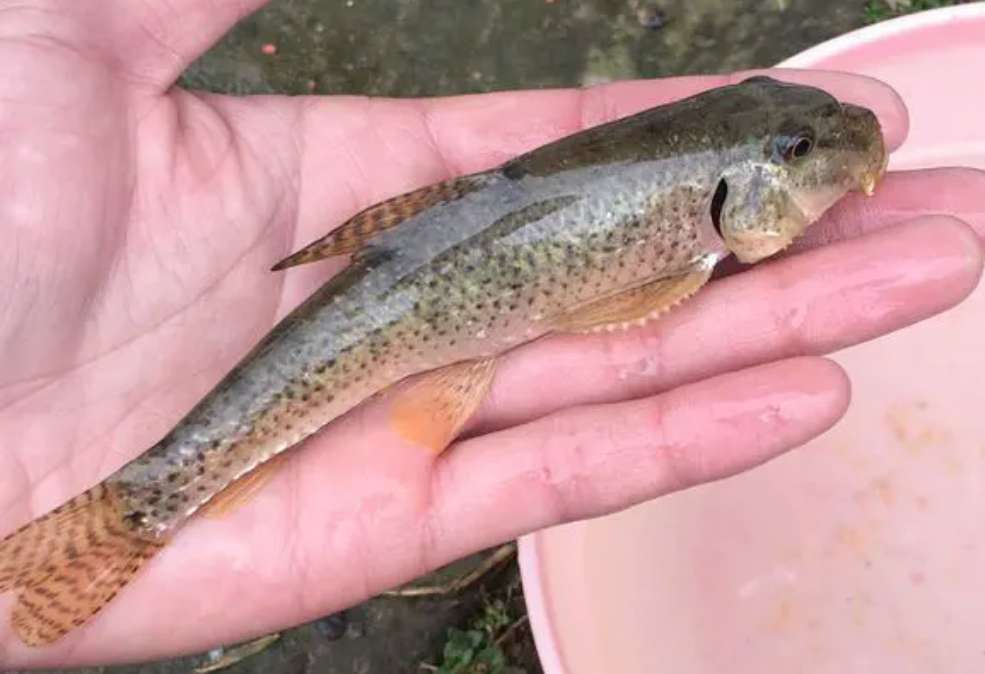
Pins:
<point x="589" y="461"/>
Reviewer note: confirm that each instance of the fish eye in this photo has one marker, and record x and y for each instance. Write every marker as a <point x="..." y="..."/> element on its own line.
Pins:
<point x="802" y="147"/>
<point x="795" y="146"/>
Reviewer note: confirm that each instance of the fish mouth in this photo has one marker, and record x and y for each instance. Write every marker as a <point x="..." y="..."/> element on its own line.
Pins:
<point x="863" y="123"/>
<point x="870" y="179"/>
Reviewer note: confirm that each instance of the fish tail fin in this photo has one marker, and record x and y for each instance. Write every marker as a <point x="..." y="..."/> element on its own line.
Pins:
<point x="66" y="565"/>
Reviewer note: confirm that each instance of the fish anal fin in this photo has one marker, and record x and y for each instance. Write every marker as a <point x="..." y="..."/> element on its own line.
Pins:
<point x="432" y="410"/>
<point x="241" y="491"/>
<point x="358" y="231"/>
<point x="633" y="307"/>
<point x="66" y="565"/>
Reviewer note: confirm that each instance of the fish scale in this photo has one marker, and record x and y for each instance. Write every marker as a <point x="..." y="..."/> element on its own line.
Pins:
<point x="552" y="248"/>
<point x="607" y="227"/>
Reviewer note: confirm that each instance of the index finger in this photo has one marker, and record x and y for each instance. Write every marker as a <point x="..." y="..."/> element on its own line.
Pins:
<point x="479" y="131"/>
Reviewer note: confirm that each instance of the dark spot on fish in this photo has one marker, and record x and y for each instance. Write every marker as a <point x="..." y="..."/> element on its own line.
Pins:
<point x="136" y="518"/>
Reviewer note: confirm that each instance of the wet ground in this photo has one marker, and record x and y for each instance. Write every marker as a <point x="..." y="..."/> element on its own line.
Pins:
<point x="431" y="47"/>
<point x="418" y="47"/>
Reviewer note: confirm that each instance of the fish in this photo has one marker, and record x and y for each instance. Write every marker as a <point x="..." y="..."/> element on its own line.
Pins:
<point x="604" y="229"/>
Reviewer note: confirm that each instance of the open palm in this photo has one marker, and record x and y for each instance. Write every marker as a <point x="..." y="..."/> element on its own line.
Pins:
<point x="138" y="223"/>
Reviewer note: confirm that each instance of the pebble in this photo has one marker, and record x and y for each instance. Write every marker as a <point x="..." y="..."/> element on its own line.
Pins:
<point x="333" y="626"/>
<point x="651" y="18"/>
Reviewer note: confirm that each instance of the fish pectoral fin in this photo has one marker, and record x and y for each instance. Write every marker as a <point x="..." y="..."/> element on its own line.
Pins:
<point x="64" y="567"/>
<point x="240" y="491"/>
<point x="356" y="233"/>
<point x="634" y="306"/>
<point x="433" y="410"/>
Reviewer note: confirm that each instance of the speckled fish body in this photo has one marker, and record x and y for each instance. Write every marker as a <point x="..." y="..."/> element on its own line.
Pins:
<point x="470" y="268"/>
<point x="460" y="281"/>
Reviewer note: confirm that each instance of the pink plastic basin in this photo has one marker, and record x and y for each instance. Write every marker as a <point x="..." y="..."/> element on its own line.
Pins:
<point x="865" y="551"/>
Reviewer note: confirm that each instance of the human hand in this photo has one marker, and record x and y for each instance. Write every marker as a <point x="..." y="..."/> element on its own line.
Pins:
<point x="139" y="223"/>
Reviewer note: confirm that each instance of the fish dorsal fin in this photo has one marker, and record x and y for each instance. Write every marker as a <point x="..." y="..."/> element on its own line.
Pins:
<point x="360" y="229"/>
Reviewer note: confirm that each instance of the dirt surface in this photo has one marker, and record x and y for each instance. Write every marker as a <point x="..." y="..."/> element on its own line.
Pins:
<point x="439" y="47"/>
<point x="415" y="48"/>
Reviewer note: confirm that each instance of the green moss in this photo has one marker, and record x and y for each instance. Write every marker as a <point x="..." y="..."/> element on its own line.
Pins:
<point x="880" y="10"/>
<point x="479" y="650"/>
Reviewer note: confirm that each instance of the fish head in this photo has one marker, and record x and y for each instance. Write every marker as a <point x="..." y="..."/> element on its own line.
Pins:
<point x="808" y="151"/>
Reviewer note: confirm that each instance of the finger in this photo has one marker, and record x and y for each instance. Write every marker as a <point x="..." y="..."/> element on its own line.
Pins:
<point x="959" y="192"/>
<point x="372" y="149"/>
<point x="590" y="461"/>
<point x="156" y="40"/>
<point x="362" y="512"/>
<point x="814" y="303"/>
<point x="476" y="132"/>
<point x="901" y="196"/>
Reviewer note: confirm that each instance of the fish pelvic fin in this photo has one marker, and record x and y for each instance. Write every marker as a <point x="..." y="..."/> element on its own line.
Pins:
<point x="435" y="408"/>
<point x="242" y="491"/>
<point x="358" y="231"/>
<point x="66" y="565"/>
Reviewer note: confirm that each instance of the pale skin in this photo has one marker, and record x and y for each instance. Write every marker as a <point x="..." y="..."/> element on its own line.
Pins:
<point x="138" y="225"/>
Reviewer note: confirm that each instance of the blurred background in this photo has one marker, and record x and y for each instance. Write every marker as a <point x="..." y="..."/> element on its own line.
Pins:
<point x="443" y="47"/>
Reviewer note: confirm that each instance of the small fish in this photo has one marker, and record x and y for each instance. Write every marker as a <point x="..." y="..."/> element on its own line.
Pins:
<point x="603" y="229"/>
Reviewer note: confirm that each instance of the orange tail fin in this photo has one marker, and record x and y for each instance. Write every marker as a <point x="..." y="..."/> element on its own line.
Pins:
<point x="66" y="565"/>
